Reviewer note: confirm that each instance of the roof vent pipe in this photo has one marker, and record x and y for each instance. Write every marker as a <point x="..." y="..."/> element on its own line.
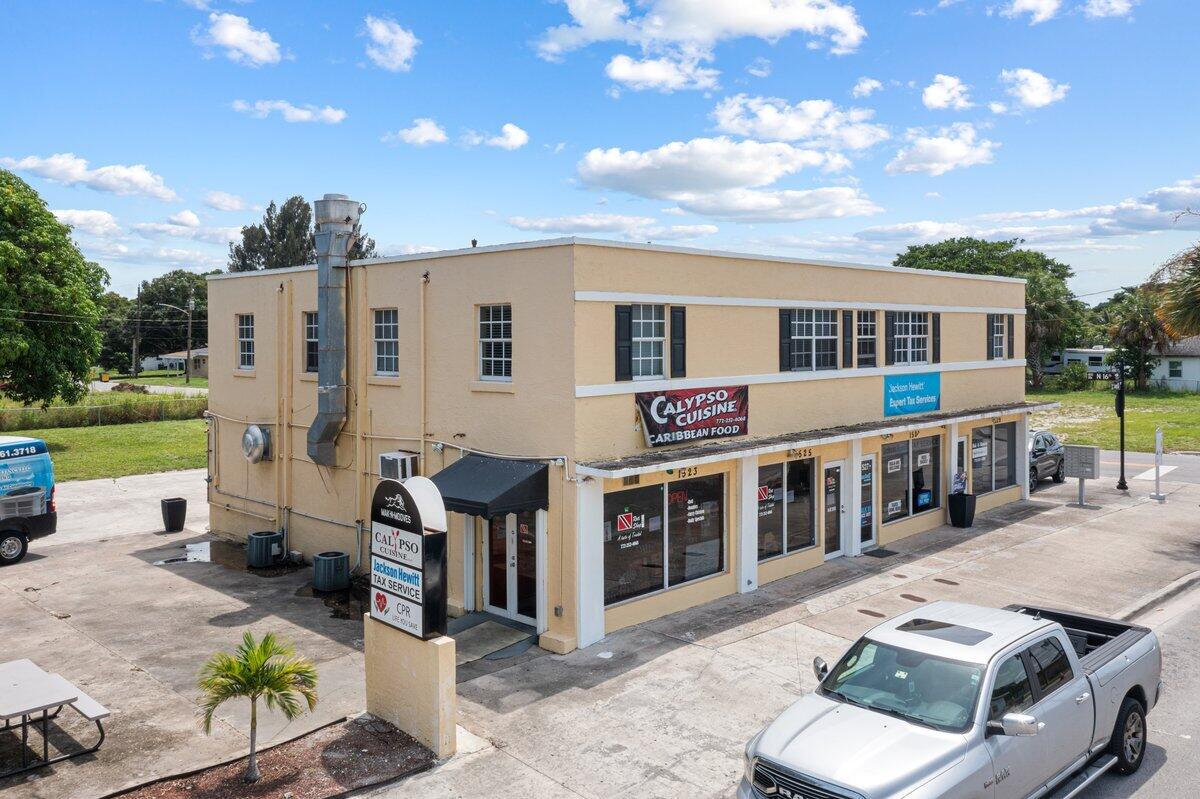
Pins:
<point x="336" y="216"/>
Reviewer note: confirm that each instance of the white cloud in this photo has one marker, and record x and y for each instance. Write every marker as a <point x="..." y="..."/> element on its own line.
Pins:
<point x="260" y="109"/>
<point x="71" y="170"/>
<point x="511" y="137"/>
<point x="759" y="67"/>
<point x="946" y="91"/>
<point x="186" y="225"/>
<point x="865" y="87"/>
<point x="661" y="74"/>
<point x="818" y="122"/>
<point x="242" y="43"/>
<point x="694" y="27"/>
<point x="1109" y="8"/>
<point x="94" y="223"/>
<point x="641" y="228"/>
<point x="185" y="218"/>
<point x="955" y="147"/>
<point x="392" y="47"/>
<point x="1033" y="89"/>
<point x="782" y="205"/>
<point x="998" y="108"/>
<point x="1038" y="10"/>
<point x="424" y="131"/>
<point x="224" y="201"/>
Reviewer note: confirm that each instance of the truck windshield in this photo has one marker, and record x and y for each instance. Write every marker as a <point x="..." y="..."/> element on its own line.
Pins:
<point x="926" y="690"/>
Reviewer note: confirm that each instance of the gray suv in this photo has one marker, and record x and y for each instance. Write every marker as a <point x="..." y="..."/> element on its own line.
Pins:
<point x="1045" y="458"/>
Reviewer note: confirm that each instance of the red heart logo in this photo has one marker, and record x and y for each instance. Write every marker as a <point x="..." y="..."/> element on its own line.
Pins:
<point x="380" y="602"/>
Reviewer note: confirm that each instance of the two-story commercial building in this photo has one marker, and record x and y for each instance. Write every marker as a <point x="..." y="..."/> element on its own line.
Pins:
<point x="619" y="430"/>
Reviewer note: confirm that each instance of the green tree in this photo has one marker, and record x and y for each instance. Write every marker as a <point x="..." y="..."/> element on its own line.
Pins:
<point x="268" y="670"/>
<point x="49" y="301"/>
<point x="116" y="331"/>
<point x="1138" y="333"/>
<point x="1181" y="292"/>
<point x="285" y="238"/>
<point x="164" y="329"/>
<point x="1053" y="317"/>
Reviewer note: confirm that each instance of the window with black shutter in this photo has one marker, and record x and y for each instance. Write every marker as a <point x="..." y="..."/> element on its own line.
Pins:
<point x="989" y="338"/>
<point x="624" y="351"/>
<point x="848" y="339"/>
<point x="785" y="340"/>
<point x="1011" y="340"/>
<point x="935" y="334"/>
<point x="678" y="341"/>
<point x="889" y="332"/>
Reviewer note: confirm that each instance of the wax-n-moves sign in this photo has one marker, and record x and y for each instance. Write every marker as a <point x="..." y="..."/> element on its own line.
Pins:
<point x="675" y="417"/>
<point x="408" y="557"/>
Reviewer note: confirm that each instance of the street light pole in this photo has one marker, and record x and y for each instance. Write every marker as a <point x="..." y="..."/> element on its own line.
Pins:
<point x="1121" y="484"/>
<point x="187" y="364"/>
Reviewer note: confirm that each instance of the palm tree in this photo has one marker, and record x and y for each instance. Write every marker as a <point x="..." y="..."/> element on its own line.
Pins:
<point x="1139" y="332"/>
<point x="1180" y="278"/>
<point x="268" y="669"/>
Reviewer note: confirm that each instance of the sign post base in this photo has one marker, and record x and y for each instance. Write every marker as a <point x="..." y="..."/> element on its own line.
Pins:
<point x="412" y="684"/>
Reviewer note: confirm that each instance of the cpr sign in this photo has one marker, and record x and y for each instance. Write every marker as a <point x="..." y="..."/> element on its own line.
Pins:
<point x="408" y="557"/>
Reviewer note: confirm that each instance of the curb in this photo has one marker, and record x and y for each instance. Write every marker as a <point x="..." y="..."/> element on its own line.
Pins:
<point x="1159" y="597"/>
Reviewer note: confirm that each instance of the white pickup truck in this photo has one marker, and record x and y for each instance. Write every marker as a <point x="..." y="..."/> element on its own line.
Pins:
<point x="955" y="701"/>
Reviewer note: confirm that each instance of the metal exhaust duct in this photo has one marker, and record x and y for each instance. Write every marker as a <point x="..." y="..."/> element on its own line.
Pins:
<point x="335" y="216"/>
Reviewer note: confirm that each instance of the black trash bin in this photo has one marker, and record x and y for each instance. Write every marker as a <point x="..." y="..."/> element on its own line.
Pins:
<point x="174" y="513"/>
<point x="962" y="510"/>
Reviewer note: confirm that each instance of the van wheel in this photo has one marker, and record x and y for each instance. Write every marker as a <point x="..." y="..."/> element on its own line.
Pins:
<point x="1128" y="742"/>
<point x="13" y="547"/>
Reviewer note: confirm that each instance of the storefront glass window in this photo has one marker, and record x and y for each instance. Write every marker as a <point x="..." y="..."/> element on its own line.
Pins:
<point x="695" y="526"/>
<point x="895" y="481"/>
<point x="785" y="514"/>
<point x="926" y="473"/>
<point x="633" y="543"/>
<point x="801" y="527"/>
<point x="981" y="460"/>
<point x="994" y="453"/>
<point x="1005" y="444"/>
<point x="770" y="511"/>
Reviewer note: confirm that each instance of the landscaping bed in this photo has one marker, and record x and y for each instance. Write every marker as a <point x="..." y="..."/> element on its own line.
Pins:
<point x="328" y="762"/>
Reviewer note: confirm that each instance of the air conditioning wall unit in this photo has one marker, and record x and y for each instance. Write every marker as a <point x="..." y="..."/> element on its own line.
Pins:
<point x="399" y="465"/>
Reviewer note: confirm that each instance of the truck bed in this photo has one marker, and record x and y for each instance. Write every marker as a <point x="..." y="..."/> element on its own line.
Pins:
<point x="1097" y="640"/>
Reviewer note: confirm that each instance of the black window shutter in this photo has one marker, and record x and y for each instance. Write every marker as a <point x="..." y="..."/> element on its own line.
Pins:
<point x="1011" y="343"/>
<point x="991" y="323"/>
<point x="935" y="330"/>
<point x="889" y="333"/>
<point x="785" y="340"/>
<point x="678" y="341"/>
<point x="624" y="342"/>
<point x="848" y="339"/>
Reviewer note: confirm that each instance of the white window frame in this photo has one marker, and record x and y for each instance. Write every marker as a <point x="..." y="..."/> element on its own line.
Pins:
<point x="312" y="335"/>
<point x="491" y="335"/>
<point x="1175" y="369"/>
<point x="648" y="341"/>
<point x="245" y="339"/>
<point x="910" y="338"/>
<point x="813" y="484"/>
<point x="387" y="347"/>
<point x="866" y="327"/>
<point x="808" y="327"/>
<point x="999" y="331"/>
<point x="912" y="511"/>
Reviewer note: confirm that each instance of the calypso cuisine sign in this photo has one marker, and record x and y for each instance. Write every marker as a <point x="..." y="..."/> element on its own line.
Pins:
<point x="673" y="417"/>
<point x="408" y="557"/>
<point x="903" y="394"/>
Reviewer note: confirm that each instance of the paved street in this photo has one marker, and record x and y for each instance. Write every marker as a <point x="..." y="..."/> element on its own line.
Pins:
<point x="1178" y="468"/>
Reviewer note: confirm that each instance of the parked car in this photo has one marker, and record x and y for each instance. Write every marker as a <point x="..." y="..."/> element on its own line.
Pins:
<point x="1045" y="458"/>
<point x="26" y="495"/>
<point x="956" y="701"/>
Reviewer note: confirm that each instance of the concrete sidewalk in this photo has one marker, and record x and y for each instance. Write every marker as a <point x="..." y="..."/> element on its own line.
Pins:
<point x="89" y="510"/>
<point x="665" y="709"/>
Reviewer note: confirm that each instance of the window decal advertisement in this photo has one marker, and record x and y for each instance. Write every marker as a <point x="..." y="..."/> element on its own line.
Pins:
<point x="904" y="394"/>
<point x="676" y="417"/>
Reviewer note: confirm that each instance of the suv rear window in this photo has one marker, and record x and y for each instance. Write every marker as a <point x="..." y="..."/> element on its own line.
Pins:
<point x="1050" y="664"/>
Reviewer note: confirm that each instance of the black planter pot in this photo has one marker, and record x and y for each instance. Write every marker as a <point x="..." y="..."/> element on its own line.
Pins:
<point x="174" y="514"/>
<point x="962" y="510"/>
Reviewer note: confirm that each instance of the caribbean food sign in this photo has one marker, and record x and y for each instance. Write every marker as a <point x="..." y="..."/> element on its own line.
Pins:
<point x="408" y="557"/>
<point x="675" y="417"/>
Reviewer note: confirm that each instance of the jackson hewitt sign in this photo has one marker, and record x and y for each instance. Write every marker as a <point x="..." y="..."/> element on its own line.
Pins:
<point x="673" y="417"/>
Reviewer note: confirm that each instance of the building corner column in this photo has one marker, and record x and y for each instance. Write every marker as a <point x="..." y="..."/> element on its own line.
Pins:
<point x="747" y="505"/>
<point x="952" y="459"/>
<point x="1022" y="445"/>
<point x="589" y="542"/>
<point x="854" y="510"/>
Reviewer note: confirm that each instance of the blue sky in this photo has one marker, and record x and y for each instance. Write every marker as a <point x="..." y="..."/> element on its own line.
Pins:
<point x="157" y="128"/>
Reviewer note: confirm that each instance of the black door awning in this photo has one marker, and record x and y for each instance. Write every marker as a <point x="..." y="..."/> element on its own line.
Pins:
<point x="483" y="486"/>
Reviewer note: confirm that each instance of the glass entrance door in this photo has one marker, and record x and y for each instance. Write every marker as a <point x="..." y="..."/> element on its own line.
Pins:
<point x="866" y="511"/>
<point x="834" y="510"/>
<point x="512" y="566"/>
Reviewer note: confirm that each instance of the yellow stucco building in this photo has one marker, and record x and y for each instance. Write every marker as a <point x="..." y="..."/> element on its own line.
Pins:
<point x="619" y="430"/>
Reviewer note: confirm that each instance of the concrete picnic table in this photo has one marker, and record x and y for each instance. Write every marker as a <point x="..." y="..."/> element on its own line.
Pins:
<point x="27" y="690"/>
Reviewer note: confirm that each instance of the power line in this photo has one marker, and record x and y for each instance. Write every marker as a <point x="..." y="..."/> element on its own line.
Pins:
<point x="85" y="316"/>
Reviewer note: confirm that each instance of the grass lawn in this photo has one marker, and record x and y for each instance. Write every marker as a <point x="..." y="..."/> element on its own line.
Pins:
<point x="1088" y="417"/>
<point x="86" y="453"/>
<point x="161" y="378"/>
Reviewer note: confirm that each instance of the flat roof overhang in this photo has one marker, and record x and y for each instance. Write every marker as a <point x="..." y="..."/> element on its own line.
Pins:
<point x="483" y="486"/>
<point x="657" y="460"/>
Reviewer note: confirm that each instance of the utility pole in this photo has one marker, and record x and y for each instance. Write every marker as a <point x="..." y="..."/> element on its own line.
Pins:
<point x="137" y="333"/>
<point x="1121" y="484"/>
<point x="191" y="306"/>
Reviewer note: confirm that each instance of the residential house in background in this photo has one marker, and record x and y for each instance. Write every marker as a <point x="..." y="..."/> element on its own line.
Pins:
<point x="1178" y="367"/>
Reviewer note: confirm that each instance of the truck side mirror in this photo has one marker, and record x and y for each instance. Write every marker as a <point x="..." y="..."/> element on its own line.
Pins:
<point x="820" y="668"/>
<point x="1016" y="725"/>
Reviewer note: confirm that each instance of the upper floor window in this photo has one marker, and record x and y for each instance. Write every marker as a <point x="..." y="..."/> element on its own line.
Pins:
<point x="495" y="342"/>
<point x="997" y="337"/>
<point x="387" y="342"/>
<point x="245" y="337"/>
<point x="866" y="338"/>
<point x="911" y="337"/>
<point x="814" y="339"/>
<point x="312" y="347"/>
<point x="648" y="339"/>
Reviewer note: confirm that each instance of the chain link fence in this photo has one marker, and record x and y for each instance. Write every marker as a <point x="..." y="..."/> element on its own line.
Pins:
<point x="123" y="411"/>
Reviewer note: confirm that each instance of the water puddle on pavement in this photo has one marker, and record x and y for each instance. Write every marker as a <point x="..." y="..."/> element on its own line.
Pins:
<point x="226" y="555"/>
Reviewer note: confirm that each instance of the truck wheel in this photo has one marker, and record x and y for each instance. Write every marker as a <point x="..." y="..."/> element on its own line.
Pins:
<point x="1128" y="742"/>
<point x="13" y="547"/>
<point x="1060" y="474"/>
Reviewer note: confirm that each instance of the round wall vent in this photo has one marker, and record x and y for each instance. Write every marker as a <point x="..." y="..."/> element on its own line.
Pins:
<point x="256" y="443"/>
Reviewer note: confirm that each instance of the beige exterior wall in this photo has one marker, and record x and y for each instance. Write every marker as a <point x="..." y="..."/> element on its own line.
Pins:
<point x="560" y="343"/>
